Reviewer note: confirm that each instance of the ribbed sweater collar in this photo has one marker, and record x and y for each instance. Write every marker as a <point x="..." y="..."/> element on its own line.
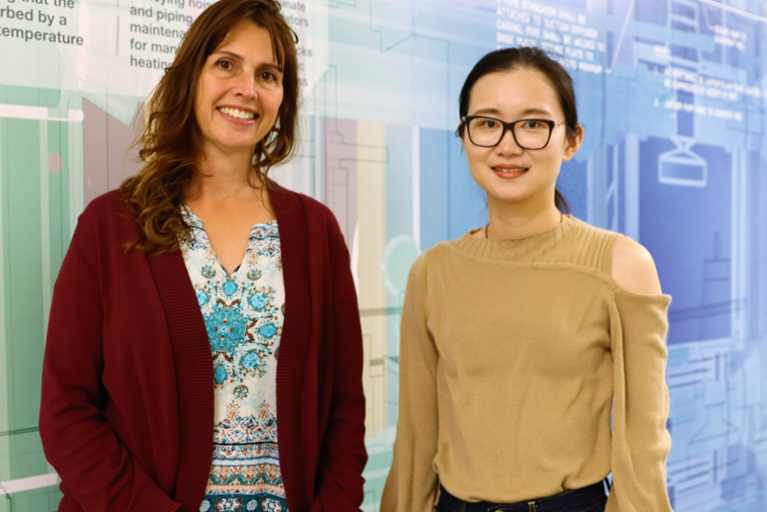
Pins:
<point x="518" y="249"/>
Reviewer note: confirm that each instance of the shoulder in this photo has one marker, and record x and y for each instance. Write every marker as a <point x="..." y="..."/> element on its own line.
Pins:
<point x="633" y="267"/>
<point x="105" y="209"/>
<point x="315" y="212"/>
<point x="418" y="268"/>
<point x="106" y="204"/>
<point x="583" y="245"/>
<point x="106" y="213"/>
<point x="320" y="219"/>
<point x="628" y="262"/>
<point x="587" y="235"/>
<point x="103" y="228"/>
<point x="417" y="279"/>
<point x="431" y="259"/>
<point x="307" y="218"/>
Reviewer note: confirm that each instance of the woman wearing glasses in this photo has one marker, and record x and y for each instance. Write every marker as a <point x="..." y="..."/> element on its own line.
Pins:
<point x="518" y="337"/>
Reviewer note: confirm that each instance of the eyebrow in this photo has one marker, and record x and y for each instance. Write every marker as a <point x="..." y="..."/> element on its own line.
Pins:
<point x="230" y="53"/>
<point x="523" y="113"/>
<point x="271" y="67"/>
<point x="267" y="65"/>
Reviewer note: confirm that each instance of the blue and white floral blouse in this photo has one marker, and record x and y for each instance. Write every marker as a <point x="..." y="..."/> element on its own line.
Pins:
<point x="244" y="315"/>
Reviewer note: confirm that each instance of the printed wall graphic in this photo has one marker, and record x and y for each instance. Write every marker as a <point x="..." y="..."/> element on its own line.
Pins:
<point x="672" y="96"/>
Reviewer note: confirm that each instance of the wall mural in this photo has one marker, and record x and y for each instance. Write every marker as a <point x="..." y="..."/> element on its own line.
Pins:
<point x="672" y="95"/>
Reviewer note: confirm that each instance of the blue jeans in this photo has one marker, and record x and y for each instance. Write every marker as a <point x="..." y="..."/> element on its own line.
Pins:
<point x="587" y="499"/>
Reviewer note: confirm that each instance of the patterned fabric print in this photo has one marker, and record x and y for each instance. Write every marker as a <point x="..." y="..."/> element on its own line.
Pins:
<point x="243" y="314"/>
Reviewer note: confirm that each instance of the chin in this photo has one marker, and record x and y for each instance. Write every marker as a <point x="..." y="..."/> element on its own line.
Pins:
<point x="237" y="142"/>
<point x="510" y="193"/>
<point x="508" y="198"/>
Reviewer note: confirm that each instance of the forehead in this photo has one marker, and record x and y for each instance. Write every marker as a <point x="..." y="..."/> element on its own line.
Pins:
<point x="248" y="40"/>
<point x="510" y="92"/>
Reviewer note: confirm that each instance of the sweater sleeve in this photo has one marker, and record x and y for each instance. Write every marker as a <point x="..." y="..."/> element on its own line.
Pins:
<point x="412" y="482"/>
<point x="96" y="469"/>
<point x="343" y="454"/>
<point x="641" y="442"/>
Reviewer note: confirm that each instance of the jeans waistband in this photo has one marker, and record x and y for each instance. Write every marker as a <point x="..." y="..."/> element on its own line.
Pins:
<point x="568" y="500"/>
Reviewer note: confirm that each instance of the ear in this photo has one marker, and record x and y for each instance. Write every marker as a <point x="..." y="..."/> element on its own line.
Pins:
<point x="463" y="135"/>
<point x="458" y="130"/>
<point x="572" y="144"/>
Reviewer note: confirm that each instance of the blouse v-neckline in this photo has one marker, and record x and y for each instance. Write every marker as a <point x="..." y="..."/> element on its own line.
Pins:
<point x="202" y="235"/>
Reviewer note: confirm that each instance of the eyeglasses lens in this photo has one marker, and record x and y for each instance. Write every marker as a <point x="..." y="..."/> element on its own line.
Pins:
<point x="530" y="134"/>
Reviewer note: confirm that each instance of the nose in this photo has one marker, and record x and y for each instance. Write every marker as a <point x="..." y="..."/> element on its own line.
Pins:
<point x="508" y="145"/>
<point x="245" y="85"/>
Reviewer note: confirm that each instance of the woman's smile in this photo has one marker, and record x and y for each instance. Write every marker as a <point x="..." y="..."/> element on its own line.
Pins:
<point x="509" y="172"/>
<point x="239" y="115"/>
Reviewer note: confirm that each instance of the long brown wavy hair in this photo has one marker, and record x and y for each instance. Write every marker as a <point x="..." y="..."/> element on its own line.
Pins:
<point x="170" y="141"/>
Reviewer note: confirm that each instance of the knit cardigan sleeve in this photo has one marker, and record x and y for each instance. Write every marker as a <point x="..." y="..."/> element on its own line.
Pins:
<point x="96" y="468"/>
<point x="641" y="442"/>
<point x="412" y="482"/>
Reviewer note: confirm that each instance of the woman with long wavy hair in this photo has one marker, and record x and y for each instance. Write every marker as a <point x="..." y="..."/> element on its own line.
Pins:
<point x="197" y="358"/>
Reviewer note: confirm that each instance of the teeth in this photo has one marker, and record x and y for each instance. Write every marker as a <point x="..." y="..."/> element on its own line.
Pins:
<point x="239" y="114"/>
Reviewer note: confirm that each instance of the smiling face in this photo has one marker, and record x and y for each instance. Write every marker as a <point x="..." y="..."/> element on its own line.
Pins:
<point x="507" y="172"/>
<point x="239" y="91"/>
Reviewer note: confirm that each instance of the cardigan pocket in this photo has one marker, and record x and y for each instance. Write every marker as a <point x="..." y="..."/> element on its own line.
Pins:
<point x="152" y="499"/>
<point x="69" y="505"/>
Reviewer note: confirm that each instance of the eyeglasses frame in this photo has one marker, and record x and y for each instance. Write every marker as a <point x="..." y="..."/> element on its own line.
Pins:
<point x="509" y="126"/>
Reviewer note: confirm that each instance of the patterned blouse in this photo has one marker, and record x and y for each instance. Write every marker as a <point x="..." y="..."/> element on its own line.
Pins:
<point x="244" y="315"/>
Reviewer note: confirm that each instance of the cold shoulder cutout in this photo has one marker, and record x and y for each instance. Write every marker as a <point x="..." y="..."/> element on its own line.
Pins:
<point x="633" y="268"/>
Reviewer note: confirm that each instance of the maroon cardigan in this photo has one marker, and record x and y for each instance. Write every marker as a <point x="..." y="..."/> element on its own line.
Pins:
<point x="126" y="415"/>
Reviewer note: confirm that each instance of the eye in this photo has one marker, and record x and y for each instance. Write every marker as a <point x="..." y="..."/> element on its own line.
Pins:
<point x="532" y="124"/>
<point x="269" y="76"/>
<point x="225" y="64"/>
<point x="490" y="123"/>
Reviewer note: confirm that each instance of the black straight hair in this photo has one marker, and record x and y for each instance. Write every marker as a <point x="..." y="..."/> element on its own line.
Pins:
<point x="508" y="59"/>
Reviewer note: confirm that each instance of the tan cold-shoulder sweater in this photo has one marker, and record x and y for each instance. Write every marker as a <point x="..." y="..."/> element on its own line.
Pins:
<point x="511" y="354"/>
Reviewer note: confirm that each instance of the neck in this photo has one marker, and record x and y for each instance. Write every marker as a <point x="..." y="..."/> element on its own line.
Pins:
<point x="512" y="220"/>
<point x="223" y="176"/>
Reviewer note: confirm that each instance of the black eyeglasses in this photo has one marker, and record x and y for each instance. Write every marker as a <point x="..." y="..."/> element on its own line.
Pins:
<point x="487" y="132"/>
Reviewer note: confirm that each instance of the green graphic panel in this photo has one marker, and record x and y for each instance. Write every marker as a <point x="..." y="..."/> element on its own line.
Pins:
<point x="35" y="228"/>
<point x="37" y="500"/>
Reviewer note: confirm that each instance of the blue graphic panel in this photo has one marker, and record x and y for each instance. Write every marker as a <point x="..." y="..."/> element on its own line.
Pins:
<point x="671" y="94"/>
<point x="672" y="97"/>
